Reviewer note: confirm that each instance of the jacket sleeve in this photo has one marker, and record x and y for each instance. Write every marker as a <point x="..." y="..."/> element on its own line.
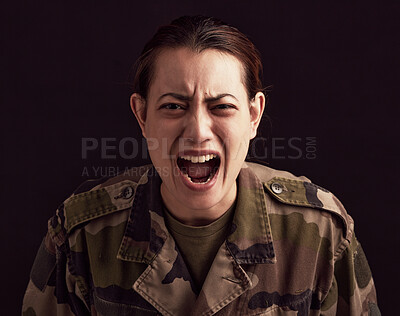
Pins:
<point x="353" y="290"/>
<point x="52" y="288"/>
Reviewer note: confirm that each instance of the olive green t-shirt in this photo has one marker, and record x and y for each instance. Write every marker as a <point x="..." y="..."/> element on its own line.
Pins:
<point x="199" y="244"/>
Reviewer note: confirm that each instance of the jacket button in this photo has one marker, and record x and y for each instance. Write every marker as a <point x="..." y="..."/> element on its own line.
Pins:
<point x="127" y="193"/>
<point x="276" y="188"/>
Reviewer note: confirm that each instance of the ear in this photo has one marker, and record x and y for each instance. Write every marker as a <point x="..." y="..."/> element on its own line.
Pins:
<point x="138" y="106"/>
<point x="257" y="106"/>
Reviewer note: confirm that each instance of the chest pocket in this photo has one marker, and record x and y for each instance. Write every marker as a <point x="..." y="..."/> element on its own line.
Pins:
<point x="276" y="311"/>
<point x="264" y="303"/>
<point x="106" y="308"/>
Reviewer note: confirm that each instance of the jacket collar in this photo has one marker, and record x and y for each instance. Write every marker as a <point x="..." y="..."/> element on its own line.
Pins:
<point x="250" y="240"/>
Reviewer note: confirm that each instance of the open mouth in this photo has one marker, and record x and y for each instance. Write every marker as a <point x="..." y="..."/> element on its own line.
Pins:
<point x="199" y="169"/>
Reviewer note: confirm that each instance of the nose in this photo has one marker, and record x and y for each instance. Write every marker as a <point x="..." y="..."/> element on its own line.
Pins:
<point x="198" y="127"/>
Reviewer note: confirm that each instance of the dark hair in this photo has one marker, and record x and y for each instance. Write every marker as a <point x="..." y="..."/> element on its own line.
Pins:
<point x="199" y="33"/>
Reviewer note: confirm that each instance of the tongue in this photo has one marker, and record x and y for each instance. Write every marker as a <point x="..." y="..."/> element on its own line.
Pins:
<point x="197" y="170"/>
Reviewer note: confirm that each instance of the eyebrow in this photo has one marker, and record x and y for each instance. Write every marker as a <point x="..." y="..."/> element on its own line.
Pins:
<point x="187" y="98"/>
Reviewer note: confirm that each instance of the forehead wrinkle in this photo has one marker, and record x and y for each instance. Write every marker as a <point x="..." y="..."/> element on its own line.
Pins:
<point x="189" y="86"/>
<point x="183" y="97"/>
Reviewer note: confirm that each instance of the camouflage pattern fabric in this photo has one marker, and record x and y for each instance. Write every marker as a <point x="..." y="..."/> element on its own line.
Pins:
<point x="291" y="251"/>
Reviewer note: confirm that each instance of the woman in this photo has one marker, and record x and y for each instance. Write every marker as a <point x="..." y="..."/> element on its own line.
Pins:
<point x="200" y="232"/>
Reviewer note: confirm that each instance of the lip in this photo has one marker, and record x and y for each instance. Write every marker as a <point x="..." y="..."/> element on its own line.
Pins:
<point x="197" y="186"/>
<point x="200" y="152"/>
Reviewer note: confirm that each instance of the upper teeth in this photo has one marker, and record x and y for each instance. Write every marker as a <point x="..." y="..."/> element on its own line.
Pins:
<point x="199" y="159"/>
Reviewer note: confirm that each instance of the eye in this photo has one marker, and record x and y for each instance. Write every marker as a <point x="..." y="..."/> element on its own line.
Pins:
<point x="172" y="106"/>
<point x="223" y="107"/>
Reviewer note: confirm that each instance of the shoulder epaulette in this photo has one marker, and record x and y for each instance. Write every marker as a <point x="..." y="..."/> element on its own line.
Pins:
<point x="98" y="202"/>
<point x="304" y="193"/>
<point x="102" y="197"/>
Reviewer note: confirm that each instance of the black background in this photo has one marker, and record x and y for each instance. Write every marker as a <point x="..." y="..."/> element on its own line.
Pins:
<point x="64" y="76"/>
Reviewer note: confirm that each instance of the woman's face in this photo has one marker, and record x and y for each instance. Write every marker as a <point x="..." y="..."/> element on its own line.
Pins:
<point x="198" y="121"/>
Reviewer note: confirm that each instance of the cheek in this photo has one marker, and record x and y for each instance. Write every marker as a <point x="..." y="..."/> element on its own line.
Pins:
<point x="155" y="130"/>
<point x="239" y="131"/>
<point x="236" y="148"/>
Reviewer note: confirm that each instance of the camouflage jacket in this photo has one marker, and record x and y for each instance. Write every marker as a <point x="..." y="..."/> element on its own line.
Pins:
<point x="291" y="251"/>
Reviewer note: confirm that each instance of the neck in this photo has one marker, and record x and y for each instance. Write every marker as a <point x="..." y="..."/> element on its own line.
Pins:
<point x="198" y="216"/>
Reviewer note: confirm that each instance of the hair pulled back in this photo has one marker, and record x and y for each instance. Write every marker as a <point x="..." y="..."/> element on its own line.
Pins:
<point x="199" y="33"/>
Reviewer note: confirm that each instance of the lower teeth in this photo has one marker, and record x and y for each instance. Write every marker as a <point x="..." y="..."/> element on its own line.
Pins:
<point x="208" y="179"/>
